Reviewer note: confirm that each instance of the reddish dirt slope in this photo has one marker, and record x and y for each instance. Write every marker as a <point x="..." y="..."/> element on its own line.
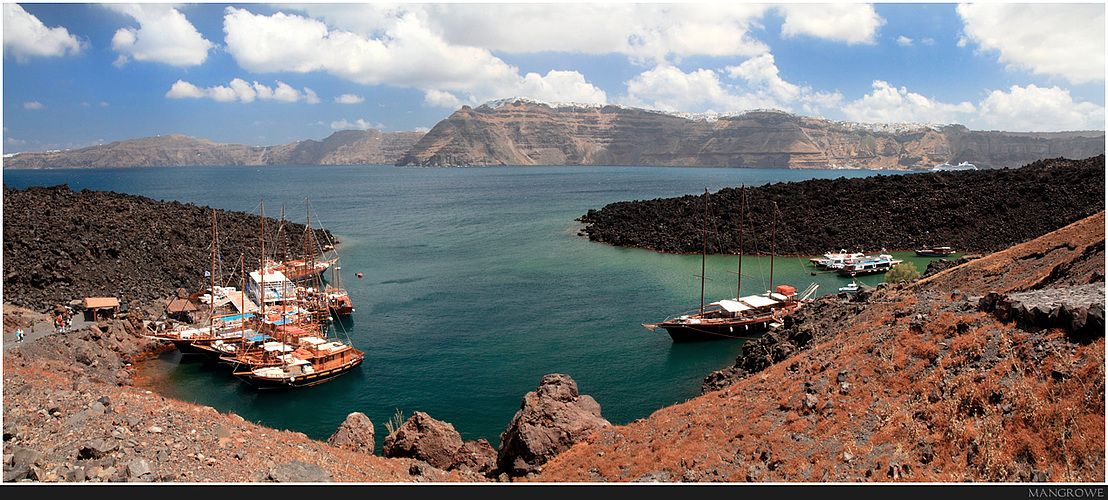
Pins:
<point x="918" y="386"/>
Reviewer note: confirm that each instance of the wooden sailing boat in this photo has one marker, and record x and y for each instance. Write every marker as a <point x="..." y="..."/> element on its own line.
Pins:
<point x="742" y="316"/>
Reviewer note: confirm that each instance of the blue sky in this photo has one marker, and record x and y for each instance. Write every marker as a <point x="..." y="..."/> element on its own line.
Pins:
<point x="81" y="74"/>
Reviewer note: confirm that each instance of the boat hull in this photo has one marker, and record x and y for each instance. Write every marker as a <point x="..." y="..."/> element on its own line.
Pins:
<point x="188" y="347"/>
<point x="920" y="253"/>
<point x="267" y="383"/>
<point x="684" y="332"/>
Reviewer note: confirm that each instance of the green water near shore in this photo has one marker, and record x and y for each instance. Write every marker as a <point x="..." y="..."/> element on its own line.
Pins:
<point x="476" y="285"/>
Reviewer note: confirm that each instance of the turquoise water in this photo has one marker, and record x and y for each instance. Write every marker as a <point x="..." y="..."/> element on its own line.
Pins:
<point x="475" y="286"/>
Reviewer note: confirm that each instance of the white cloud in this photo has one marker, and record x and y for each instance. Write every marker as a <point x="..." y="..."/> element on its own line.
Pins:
<point x="756" y="83"/>
<point x="441" y="98"/>
<point x="1039" y="109"/>
<point x="33" y="105"/>
<point x="359" y="124"/>
<point x="25" y="36"/>
<point x="927" y="41"/>
<point x="238" y="90"/>
<point x="310" y="96"/>
<point x="640" y="31"/>
<point x="841" y="22"/>
<point x="406" y="53"/>
<point x="903" y="41"/>
<point x="422" y="130"/>
<point x="349" y="99"/>
<point x="1065" y="40"/>
<point x="888" y="104"/>
<point x="164" y="35"/>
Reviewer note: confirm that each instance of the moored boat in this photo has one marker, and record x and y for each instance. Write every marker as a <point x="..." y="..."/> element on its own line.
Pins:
<point x="935" y="252"/>
<point x="870" y="265"/>
<point x="744" y="315"/>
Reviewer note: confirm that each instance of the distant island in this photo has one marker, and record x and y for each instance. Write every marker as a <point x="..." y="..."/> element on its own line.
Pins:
<point x="346" y="147"/>
<point x="522" y="131"/>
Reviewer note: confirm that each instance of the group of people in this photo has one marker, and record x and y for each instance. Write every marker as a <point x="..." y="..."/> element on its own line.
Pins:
<point x="63" y="321"/>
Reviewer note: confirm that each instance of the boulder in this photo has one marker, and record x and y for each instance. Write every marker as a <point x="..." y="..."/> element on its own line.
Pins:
<point x="424" y="438"/>
<point x="550" y="420"/>
<point x="139" y="469"/>
<point x="97" y="448"/>
<point x="355" y="434"/>
<point x="476" y="456"/>
<point x="298" y="472"/>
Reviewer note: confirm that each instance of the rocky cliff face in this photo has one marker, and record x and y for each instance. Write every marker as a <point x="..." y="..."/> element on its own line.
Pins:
<point x="522" y="132"/>
<point x="346" y="147"/>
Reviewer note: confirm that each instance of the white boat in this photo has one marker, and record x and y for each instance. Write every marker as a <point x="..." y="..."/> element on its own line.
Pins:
<point x="946" y="167"/>
<point x="854" y="286"/>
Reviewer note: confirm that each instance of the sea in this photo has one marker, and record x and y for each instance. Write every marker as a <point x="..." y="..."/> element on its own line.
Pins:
<point x="474" y="284"/>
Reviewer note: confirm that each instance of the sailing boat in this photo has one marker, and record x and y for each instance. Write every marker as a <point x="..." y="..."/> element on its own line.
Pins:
<point x="742" y="316"/>
<point x="301" y="354"/>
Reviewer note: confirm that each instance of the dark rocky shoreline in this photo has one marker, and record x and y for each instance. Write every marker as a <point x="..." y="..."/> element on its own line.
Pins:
<point x="61" y="245"/>
<point x="973" y="211"/>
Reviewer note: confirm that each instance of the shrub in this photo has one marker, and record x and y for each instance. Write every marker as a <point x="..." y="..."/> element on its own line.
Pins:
<point x="903" y="272"/>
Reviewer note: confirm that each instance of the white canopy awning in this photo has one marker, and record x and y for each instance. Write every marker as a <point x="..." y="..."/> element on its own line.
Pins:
<point x="732" y="306"/>
<point x="759" y="301"/>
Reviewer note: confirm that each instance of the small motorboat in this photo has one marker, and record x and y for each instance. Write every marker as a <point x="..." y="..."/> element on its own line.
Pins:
<point x="854" y="286"/>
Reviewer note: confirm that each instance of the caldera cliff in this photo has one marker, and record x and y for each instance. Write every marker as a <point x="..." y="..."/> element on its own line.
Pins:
<point x="525" y="132"/>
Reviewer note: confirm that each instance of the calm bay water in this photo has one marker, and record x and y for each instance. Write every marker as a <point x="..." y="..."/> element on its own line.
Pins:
<point x="475" y="285"/>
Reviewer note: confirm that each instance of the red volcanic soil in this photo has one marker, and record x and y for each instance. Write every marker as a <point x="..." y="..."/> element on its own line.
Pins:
<point x="918" y="385"/>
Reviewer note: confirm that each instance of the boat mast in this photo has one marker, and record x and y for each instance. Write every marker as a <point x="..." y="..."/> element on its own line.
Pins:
<point x="242" y="301"/>
<point x="742" y="215"/>
<point x="211" y="302"/>
<point x="262" y="285"/>
<point x="773" y="243"/>
<point x="704" y="251"/>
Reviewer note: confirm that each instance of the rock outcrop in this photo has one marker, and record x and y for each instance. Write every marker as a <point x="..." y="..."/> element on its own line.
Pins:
<point x="424" y="438"/>
<point x="1078" y="309"/>
<point x="354" y="434"/>
<point x="525" y="132"/>
<point x="345" y="147"/>
<point x="550" y="420"/>
<point x="979" y="211"/>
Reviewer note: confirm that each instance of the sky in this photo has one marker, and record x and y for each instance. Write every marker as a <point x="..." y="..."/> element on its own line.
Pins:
<point x="83" y="74"/>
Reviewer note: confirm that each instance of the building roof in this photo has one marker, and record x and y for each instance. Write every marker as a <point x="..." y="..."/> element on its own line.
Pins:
<point x="180" y="306"/>
<point x="101" y="302"/>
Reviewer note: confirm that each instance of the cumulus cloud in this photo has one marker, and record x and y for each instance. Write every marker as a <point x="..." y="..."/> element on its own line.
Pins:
<point x="33" y="105"/>
<point x="755" y="83"/>
<point x="359" y="124"/>
<point x="647" y="32"/>
<point x="239" y="90"/>
<point x="164" y="35"/>
<point x="25" y="36"/>
<point x="1039" y="109"/>
<point x="903" y="41"/>
<point x="889" y="104"/>
<point x="349" y="99"/>
<point x="1065" y="40"/>
<point x="841" y="22"/>
<point x="407" y="53"/>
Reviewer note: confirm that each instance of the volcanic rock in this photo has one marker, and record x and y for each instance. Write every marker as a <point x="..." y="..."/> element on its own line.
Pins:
<point x="298" y="472"/>
<point x="550" y="420"/>
<point x="424" y="438"/>
<point x="476" y="456"/>
<point x="978" y="211"/>
<point x="61" y="245"/>
<point x="355" y="433"/>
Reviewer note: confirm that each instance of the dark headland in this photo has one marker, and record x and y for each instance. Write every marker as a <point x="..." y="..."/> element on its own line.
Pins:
<point x="972" y="211"/>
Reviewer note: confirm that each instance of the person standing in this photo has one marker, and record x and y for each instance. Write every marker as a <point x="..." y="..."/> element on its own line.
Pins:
<point x="19" y="334"/>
